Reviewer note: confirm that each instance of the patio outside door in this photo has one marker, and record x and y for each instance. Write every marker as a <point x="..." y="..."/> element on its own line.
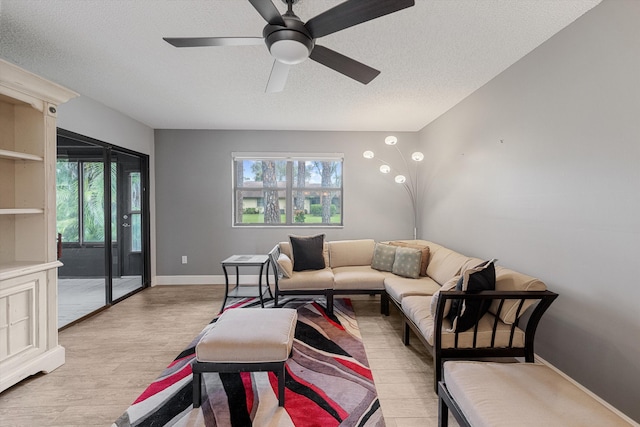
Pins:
<point x="102" y="221"/>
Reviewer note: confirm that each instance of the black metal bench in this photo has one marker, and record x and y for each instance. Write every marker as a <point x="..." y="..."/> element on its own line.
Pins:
<point x="455" y="352"/>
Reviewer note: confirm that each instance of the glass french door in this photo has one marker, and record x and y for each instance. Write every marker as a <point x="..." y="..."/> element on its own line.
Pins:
<point x="127" y="259"/>
<point x="102" y="224"/>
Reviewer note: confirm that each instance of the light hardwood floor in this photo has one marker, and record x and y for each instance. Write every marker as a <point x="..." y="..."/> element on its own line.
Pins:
<point x="113" y="356"/>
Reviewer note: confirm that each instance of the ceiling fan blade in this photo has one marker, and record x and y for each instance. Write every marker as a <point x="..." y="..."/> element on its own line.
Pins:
<point x="269" y="12"/>
<point x="343" y="64"/>
<point x="278" y="77"/>
<point x="352" y="12"/>
<point x="213" y="41"/>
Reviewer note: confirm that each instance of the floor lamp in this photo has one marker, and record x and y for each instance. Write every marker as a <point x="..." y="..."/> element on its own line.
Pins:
<point x="408" y="179"/>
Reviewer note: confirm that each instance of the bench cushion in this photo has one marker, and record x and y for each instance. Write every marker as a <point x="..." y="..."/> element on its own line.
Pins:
<point x="249" y="335"/>
<point x="522" y="394"/>
<point x="417" y="308"/>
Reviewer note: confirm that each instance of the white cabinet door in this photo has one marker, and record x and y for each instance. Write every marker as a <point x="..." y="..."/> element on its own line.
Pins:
<point x="23" y="331"/>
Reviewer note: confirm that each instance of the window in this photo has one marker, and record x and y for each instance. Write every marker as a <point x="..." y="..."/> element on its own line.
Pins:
<point x="287" y="190"/>
<point x="135" y="208"/>
<point x="80" y="201"/>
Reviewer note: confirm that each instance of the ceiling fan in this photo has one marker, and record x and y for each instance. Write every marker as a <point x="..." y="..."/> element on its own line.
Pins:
<point x="290" y="41"/>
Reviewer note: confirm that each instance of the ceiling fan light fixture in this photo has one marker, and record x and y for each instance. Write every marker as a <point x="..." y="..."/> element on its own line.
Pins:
<point x="289" y="51"/>
<point x="291" y="44"/>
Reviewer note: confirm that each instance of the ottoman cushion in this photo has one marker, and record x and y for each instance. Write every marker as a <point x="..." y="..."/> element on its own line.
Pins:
<point x="249" y="335"/>
<point x="522" y="394"/>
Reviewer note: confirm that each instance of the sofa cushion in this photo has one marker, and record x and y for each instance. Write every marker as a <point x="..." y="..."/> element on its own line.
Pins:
<point x="424" y="261"/>
<point x="398" y="287"/>
<point x="383" y="257"/>
<point x="285" y="266"/>
<point x="449" y="286"/>
<point x="471" y="262"/>
<point x="351" y="252"/>
<point x="464" y="313"/>
<point x="285" y="248"/>
<point x="308" y="280"/>
<point x="509" y="280"/>
<point x="307" y="252"/>
<point x="357" y="277"/>
<point x="444" y="264"/>
<point x="407" y="262"/>
<point x="417" y="309"/>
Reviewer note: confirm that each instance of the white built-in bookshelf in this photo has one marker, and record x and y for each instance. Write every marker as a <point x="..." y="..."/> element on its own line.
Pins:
<point x="28" y="264"/>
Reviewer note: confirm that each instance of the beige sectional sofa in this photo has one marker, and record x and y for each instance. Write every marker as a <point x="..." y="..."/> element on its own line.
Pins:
<point x="501" y="332"/>
<point x="348" y="271"/>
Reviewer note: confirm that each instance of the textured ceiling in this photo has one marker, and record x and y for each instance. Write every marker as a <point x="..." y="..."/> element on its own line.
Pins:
<point x="431" y="56"/>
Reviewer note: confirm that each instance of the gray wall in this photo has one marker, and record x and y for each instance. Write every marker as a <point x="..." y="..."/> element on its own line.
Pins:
<point x="90" y="118"/>
<point x="193" y="193"/>
<point x="541" y="169"/>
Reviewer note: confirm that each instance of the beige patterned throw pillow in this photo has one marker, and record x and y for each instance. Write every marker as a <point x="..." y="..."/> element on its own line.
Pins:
<point x="425" y="253"/>
<point x="285" y="265"/>
<point x="407" y="262"/>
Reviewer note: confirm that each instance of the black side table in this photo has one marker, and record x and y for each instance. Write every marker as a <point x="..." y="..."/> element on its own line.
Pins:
<point x="238" y="261"/>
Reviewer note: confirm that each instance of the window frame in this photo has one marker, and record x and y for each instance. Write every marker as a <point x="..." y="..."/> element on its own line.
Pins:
<point x="289" y="189"/>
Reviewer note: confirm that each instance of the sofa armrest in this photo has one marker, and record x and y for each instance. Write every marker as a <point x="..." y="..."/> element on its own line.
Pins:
<point x="274" y="254"/>
<point x="544" y="298"/>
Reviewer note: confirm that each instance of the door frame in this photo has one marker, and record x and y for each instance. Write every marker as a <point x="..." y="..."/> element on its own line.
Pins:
<point x="146" y="226"/>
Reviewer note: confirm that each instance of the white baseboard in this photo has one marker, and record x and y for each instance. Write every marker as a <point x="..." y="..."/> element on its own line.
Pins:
<point x="245" y="279"/>
<point x="587" y="391"/>
<point x="45" y="362"/>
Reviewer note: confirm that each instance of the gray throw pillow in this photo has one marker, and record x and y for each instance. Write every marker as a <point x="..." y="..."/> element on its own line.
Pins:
<point x="407" y="262"/>
<point x="383" y="257"/>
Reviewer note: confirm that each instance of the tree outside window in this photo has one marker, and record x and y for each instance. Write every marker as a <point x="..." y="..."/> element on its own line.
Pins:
<point x="80" y="201"/>
<point x="292" y="190"/>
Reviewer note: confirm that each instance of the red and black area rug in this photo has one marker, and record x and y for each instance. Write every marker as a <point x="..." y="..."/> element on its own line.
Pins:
<point x="328" y="382"/>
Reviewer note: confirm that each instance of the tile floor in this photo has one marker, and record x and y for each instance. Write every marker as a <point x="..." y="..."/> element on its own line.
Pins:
<point x="112" y="356"/>
<point x="79" y="297"/>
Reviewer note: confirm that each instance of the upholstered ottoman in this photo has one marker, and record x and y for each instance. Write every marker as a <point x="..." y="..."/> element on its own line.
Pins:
<point x="246" y="340"/>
